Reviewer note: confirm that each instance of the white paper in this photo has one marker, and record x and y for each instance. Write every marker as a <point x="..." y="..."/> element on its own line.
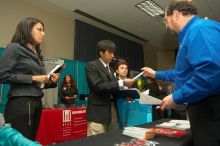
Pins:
<point x="139" y="129"/>
<point x="137" y="76"/>
<point x="136" y="132"/>
<point x="166" y="125"/>
<point x="180" y="121"/>
<point x="175" y="124"/>
<point x="147" y="99"/>
<point x="51" y="72"/>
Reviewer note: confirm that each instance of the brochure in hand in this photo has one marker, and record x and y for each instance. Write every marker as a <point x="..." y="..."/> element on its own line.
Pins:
<point x="145" y="98"/>
<point x="137" y="76"/>
<point x="57" y="69"/>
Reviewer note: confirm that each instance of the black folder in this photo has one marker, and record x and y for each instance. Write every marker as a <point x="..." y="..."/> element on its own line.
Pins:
<point x="132" y="92"/>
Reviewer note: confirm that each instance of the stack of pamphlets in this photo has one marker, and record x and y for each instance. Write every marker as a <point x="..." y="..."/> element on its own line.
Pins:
<point x="175" y="124"/>
<point x="135" y="132"/>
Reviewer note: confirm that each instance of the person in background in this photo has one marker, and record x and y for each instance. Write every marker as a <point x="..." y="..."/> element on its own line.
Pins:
<point x="68" y="91"/>
<point x="102" y="84"/>
<point x="121" y="102"/>
<point x="197" y="71"/>
<point x="22" y="67"/>
<point x="162" y="85"/>
<point x="153" y="91"/>
<point x="152" y="87"/>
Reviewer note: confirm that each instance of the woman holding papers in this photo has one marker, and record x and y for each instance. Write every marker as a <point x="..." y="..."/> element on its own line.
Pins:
<point x="23" y="68"/>
<point x="68" y="91"/>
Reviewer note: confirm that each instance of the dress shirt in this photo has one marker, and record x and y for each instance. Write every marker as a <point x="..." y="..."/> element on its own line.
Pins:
<point x="120" y="82"/>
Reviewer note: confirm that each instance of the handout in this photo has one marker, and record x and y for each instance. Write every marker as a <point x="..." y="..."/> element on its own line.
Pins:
<point x="145" y="98"/>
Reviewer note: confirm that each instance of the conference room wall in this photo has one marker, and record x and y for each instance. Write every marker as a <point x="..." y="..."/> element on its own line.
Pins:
<point x="59" y="28"/>
<point x="165" y="59"/>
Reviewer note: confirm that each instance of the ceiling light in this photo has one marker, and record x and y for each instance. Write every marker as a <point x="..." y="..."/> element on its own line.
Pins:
<point x="150" y="7"/>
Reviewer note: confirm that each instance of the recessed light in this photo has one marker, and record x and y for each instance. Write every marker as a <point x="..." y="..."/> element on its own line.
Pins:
<point x="150" y="7"/>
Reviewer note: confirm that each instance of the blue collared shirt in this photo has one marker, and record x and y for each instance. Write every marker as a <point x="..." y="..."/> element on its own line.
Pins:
<point x="197" y="69"/>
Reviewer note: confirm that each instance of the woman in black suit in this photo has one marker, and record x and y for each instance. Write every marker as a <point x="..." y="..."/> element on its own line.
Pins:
<point x="22" y="67"/>
<point x="68" y="91"/>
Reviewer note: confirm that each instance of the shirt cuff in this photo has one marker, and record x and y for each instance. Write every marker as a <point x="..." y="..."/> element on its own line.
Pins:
<point x="177" y="97"/>
<point x="158" y="75"/>
<point x="120" y="83"/>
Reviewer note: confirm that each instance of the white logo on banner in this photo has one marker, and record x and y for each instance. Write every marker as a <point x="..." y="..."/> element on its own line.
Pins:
<point x="66" y="115"/>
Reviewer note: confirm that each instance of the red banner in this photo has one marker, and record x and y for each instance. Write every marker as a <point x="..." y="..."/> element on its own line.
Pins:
<point x="58" y="125"/>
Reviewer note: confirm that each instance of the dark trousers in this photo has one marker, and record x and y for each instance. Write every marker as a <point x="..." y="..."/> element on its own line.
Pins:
<point x="23" y="114"/>
<point x="204" y="118"/>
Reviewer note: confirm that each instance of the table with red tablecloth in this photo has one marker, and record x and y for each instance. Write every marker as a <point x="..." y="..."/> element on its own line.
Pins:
<point x="58" y="125"/>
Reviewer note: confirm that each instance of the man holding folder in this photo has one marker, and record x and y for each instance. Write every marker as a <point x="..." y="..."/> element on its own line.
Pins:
<point x="102" y="84"/>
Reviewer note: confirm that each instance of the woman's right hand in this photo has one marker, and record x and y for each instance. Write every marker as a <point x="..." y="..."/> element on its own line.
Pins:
<point x="40" y="79"/>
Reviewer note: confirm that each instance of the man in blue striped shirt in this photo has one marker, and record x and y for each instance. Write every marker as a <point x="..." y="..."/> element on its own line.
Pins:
<point x="197" y="71"/>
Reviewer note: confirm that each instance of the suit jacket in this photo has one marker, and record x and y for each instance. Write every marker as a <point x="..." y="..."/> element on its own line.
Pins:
<point x="17" y="66"/>
<point x="102" y="85"/>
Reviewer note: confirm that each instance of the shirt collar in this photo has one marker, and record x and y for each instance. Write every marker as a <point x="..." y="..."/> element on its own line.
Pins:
<point x="104" y="63"/>
<point x="121" y="78"/>
<point x="187" y="26"/>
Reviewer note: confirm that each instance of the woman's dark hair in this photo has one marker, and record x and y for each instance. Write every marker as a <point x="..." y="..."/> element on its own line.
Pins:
<point x="23" y="34"/>
<point x="183" y="6"/>
<point x="72" y="83"/>
<point x="104" y="45"/>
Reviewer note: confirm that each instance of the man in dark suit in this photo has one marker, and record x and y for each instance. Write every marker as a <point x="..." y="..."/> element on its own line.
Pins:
<point x="102" y="84"/>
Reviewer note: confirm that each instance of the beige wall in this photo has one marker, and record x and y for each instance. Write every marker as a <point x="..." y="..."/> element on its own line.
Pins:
<point x="59" y="29"/>
<point x="150" y="56"/>
<point x="165" y="59"/>
<point x="59" y="24"/>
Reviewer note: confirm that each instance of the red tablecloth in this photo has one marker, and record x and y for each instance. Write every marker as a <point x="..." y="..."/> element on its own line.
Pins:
<point x="57" y="125"/>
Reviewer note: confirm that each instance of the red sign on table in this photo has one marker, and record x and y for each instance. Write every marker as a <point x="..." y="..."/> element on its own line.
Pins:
<point x="58" y="125"/>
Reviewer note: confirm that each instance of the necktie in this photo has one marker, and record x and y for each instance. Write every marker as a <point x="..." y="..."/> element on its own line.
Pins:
<point x="108" y="69"/>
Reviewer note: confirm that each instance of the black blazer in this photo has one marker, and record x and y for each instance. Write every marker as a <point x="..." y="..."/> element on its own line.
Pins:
<point x="17" y="66"/>
<point x="102" y="84"/>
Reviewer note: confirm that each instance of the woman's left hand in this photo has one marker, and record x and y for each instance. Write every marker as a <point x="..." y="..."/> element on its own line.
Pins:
<point x="55" y="77"/>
